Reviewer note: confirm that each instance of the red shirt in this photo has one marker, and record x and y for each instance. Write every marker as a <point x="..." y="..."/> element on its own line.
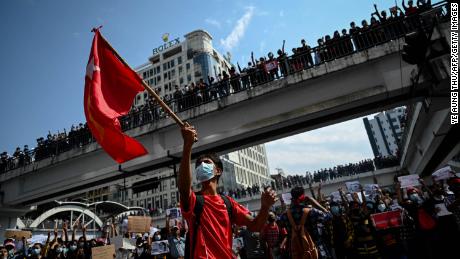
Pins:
<point x="214" y="237"/>
<point x="273" y="234"/>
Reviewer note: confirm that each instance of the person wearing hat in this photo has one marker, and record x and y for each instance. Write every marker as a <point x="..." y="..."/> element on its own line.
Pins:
<point x="10" y="247"/>
<point x="142" y="250"/>
<point x="176" y="243"/>
<point x="212" y="237"/>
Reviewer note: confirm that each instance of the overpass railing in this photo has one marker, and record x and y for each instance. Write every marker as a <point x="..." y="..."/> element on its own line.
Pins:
<point x="260" y="72"/>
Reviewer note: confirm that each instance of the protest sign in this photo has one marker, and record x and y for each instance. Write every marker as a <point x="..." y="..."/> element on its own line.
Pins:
<point x="160" y="247"/>
<point x="371" y="188"/>
<point x="103" y="252"/>
<point x="139" y="224"/>
<point x="353" y="186"/>
<point x="389" y="219"/>
<point x="237" y="243"/>
<point x="17" y="234"/>
<point x="441" y="210"/>
<point x="336" y="196"/>
<point x="41" y="239"/>
<point x="409" y="180"/>
<point x="443" y="173"/>
<point x="286" y="198"/>
<point x="124" y="243"/>
<point x="269" y="66"/>
<point x="173" y="213"/>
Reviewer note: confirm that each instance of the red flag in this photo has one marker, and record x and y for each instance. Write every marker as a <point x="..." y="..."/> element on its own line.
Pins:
<point x="110" y="87"/>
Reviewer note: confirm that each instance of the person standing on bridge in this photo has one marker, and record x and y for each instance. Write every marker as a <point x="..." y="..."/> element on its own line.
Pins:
<point x="210" y="216"/>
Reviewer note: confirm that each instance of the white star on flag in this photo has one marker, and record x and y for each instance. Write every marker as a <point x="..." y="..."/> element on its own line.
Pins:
<point x="90" y="68"/>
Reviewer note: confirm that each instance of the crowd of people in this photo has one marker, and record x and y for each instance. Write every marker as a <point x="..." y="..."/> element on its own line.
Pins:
<point x="51" y="146"/>
<point x="323" y="175"/>
<point x="423" y="222"/>
<point x="382" y="28"/>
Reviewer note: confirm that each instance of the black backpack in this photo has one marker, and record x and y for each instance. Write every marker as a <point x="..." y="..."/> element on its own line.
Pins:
<point x="199" y="204"/>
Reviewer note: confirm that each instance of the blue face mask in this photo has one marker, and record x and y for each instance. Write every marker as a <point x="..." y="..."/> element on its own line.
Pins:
<point x="204" y="172"/>
<point x="36" y="251"/>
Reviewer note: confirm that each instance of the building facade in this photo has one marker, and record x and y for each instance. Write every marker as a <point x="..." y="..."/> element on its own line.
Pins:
<point x="181" y="63"/>
<point x="384" y="131"/>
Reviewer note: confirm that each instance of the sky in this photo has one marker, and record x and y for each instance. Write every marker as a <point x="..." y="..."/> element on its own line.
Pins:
<point x="45" y="46"/>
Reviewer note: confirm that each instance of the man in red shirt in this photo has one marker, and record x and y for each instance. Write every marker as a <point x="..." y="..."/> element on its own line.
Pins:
<point x="272" y="234"/>
<point x="214" y="233"/>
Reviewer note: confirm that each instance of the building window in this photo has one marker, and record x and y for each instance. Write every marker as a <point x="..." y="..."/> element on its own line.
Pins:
<point x="187" y="66"/>
<point x="165" y="66"/>
<point x="189" y="78"/>
<point x="151" y="72"/>
<point x="144" y="75"/>
<point x="173" y="73"/>
<point x="179" y="60"/>
<point x="172" y="63"/>
<point x="181" y="80"/>
<point x="180" y="70"/>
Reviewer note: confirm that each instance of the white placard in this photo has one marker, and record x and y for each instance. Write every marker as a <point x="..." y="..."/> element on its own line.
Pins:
<point x="371" y="188"/>
<point x="409" y="180"/>
<point x="122" y="242"/>
<point x="160" y="247"/>
<point x="336" y="196"/>
<point x="352" y="186"/>
<point x="443" y="173"/>
<point x="173" y="213"/>
<point x="442" y="210"/>
<point x="237" y="243"/>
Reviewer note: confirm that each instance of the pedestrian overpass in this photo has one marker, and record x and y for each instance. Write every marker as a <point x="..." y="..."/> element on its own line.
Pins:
<point x="364" y="82"/>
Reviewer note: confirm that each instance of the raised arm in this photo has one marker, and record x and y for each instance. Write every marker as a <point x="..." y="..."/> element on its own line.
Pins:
<point x="73" y="233"/>
<point x="316" y="204"/>
<point x="44" y="251"/>
<point x="363" y="197"/>
<point x="168" y="230"/>
<point x="422" y="182"/>
<point x="239" y="68"/>
<point x="83" y="230"/>
<point x="64" y="232"/>
<point x="377" y="12"/>
<point x="311" y="190"/>
<point x="267" y="199"/>
<point x="319" y="197"/>
<point x="404" y="5"/>
<point x="189" y="135"/>
<point x="344" y="200"/>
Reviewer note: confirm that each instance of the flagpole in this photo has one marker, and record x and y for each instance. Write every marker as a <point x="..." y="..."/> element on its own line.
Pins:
<point x="149" y="89"/>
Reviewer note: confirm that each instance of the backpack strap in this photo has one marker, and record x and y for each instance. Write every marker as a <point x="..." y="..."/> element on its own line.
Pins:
<point x="197" y="210"/>
<point x="229" y="207"/>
